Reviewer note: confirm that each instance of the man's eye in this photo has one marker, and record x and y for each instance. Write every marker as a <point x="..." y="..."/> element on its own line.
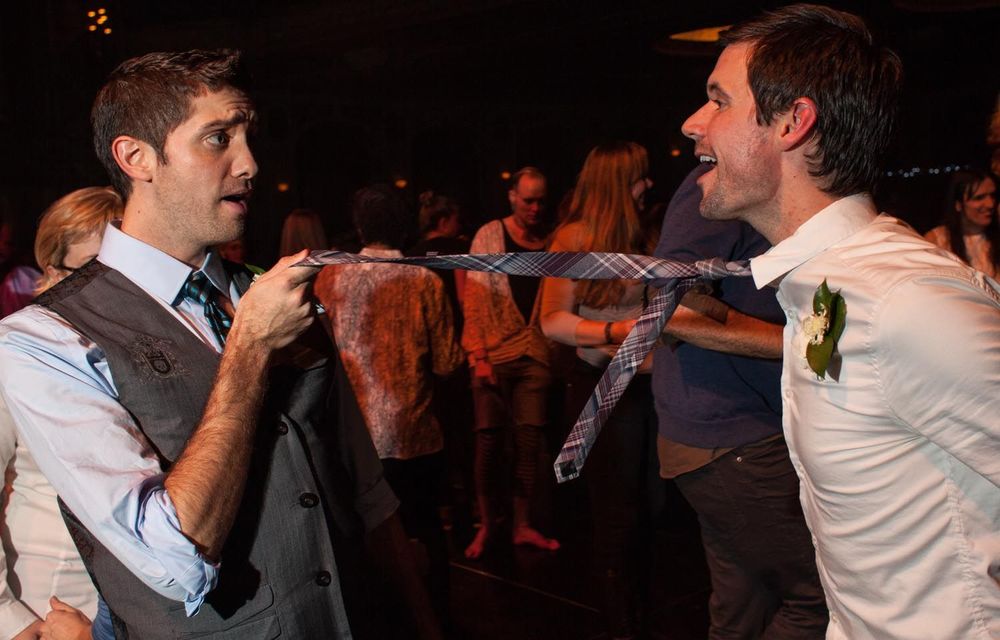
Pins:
<point x="219" y="138"/>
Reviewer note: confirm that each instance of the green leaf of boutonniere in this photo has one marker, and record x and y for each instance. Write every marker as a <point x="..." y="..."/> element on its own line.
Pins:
<point x="824" y="329"/>
<point x="838" y="317"/>
<point x="254" y="269"/>
<point x="822" y="299"/>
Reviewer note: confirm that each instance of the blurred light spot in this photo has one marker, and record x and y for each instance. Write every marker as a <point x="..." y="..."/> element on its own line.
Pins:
<point x="708" y="34"/>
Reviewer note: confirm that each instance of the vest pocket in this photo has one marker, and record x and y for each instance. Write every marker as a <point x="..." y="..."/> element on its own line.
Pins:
<point x="265" y="628"/>
<point x="254" y="619"/>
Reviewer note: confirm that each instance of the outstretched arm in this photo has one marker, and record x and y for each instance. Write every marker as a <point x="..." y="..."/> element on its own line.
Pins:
<point x="709" y="323"/>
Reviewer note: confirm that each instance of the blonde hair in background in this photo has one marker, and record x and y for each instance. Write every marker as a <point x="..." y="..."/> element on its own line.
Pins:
<point x="303" y="229"/>
<point x="70" y="219"/>
<point x="603" y="205"/>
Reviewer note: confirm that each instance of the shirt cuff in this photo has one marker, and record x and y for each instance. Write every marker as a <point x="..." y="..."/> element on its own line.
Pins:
<point x="190" y="575"/>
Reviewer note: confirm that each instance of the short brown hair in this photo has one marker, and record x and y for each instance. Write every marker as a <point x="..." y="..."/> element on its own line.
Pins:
<point x="433" y="209"/>
<point x="381" y="216"/>
<point x="150" y="96"/>
<point x="830" y="57"/>
<point x="70" y="219"/>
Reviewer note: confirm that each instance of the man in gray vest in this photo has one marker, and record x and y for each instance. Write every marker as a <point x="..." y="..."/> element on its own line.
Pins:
<point x="205" y="487"/>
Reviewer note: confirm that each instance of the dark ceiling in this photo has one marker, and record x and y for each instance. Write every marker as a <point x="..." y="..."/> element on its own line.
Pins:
<point x="449" y="93"/>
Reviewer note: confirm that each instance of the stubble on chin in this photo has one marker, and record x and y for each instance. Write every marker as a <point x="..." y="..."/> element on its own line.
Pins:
<point x="713" y="207"/>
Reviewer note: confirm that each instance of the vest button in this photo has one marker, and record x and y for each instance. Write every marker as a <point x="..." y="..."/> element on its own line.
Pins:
<point x="282" y="428"/>
<point x="308" y="500"/>
<point x="323" y="578"/>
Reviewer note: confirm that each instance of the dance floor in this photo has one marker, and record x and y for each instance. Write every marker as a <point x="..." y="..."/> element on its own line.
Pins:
<point x="529" y="594"/>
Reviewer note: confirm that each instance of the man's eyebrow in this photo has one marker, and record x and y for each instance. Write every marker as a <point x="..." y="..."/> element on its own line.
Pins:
<point x="238" y="118"/>
<point x="714" y="88"/>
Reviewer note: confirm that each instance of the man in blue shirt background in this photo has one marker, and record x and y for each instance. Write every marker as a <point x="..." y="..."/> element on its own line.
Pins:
<point x="719" y="412"/>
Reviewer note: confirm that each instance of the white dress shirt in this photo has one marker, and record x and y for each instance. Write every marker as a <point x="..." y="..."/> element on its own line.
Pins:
<point x="899" y="458"/>
<point x="61" y="395"/>
<point x="39" y="558"/>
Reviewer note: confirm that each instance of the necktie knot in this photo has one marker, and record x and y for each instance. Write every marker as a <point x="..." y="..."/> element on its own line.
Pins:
<point x="198" y="288"/>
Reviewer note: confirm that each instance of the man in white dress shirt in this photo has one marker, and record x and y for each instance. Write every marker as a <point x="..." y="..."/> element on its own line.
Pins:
<point x="895" y="435"/>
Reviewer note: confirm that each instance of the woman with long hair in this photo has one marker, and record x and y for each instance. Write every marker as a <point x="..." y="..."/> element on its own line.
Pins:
<point x="971" y="230"/>
<point x="39" y="555"/>
<point x="302" y="229"/>
<point x="595" y="316"/>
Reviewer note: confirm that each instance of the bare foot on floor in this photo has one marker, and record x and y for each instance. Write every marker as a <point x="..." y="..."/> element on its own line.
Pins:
<point x="529" y="536"/>
<point x="478" y="545"/>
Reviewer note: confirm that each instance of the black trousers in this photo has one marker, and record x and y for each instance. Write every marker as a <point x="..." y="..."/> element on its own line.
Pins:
<point x="418" y="484"/>
<point x="626" y="493"/>
<point x="759" y="550"/>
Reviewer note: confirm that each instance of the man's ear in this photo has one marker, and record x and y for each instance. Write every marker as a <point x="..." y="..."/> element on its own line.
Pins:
<point x="511" y="196"/>
<point x="135" y="158"/>
<point x="798" y="123"/>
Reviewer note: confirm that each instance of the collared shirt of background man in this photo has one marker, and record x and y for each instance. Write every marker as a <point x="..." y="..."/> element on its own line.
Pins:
<point x="895" y="437"/>
<point x="203" y="485"/>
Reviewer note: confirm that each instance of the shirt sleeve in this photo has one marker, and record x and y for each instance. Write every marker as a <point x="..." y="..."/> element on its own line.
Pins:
<point x="477" y="297"/>
<point x="938" y="357"/>
<point x="61" y="396"/>
<point x="14" y="615"/>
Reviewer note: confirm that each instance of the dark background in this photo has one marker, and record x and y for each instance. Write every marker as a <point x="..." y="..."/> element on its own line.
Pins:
<point x="448" y="94"/>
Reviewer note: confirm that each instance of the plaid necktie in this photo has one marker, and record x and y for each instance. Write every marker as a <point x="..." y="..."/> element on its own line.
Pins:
<point x="673" y="278"/>
<point x="199" y="289"/>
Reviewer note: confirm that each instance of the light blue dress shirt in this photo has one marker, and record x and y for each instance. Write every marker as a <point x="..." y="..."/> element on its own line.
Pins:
<point x="59" y="389"/>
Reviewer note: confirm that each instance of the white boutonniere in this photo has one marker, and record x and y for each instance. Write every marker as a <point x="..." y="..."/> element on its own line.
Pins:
<point x="817" y="339"/>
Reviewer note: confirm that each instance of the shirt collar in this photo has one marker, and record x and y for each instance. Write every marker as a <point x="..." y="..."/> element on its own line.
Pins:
<point x="154" y="271"/>
<point x="381" y="253"/>
<point x="829" y="226"/>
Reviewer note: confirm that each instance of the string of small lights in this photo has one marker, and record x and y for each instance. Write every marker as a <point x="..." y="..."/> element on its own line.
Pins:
<point x="914" y="172"/>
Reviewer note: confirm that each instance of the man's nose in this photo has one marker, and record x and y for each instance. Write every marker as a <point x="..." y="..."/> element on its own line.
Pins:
<point x="694" y="126"/>
<point x="244" y="166"/>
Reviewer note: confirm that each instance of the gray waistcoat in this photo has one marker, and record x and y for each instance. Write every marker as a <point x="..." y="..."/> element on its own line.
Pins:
<point x="278" y="571"/>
